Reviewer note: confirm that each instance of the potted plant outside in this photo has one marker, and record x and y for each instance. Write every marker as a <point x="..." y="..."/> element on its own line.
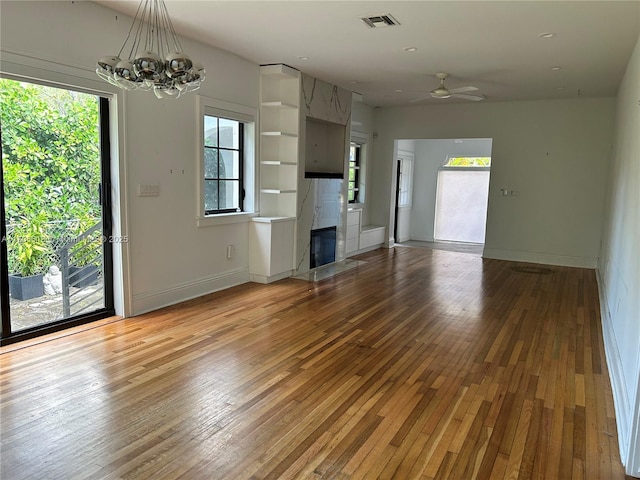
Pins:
<point x="85" y="256"/>
<point x="30" y="255"/>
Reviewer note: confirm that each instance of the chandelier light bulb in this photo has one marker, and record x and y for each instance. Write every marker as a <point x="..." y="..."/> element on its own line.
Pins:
<point x="178" y="64"/>
<point x="148" y="65"/>
<point x="106" y="68"/>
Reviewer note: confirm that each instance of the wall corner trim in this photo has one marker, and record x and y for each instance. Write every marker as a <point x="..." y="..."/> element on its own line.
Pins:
<point x="623" y="411"/>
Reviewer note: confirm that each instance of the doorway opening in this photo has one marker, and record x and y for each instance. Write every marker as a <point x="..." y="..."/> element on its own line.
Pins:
<point x="441" y="191"/>
<point x="56" y="254"/>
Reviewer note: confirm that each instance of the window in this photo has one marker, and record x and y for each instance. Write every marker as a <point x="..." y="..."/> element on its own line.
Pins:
<point x="223" y="165"/>
<point x="226" y="174"/>
<point x="461" y="199"/>
<point x="355" y="153"/>
<point x="468" y="162"/>
<point x="406" y="180"/>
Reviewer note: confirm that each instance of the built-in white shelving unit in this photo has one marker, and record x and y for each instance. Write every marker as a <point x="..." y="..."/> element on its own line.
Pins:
<point x="272" y="235"/>
<point x="279" y="137"/>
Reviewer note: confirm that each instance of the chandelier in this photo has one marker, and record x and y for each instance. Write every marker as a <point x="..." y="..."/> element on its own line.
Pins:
<point x="156" y="60"/>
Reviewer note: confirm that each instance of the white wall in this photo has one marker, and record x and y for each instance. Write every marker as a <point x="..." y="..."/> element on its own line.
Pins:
<point x="555" y="152"/>
<point x="430" y="156"/>
<point x="619" y="266"/>
<point x="168" y="258"/>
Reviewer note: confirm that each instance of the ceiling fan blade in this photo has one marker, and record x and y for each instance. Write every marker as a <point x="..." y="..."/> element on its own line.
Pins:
<point x="475" y="98"/>
<point x="463" y="89"/>
<point x="420" y="99"/>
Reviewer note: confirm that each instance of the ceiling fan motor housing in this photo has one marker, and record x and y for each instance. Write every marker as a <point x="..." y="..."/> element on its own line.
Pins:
<point x="440" y="93"/>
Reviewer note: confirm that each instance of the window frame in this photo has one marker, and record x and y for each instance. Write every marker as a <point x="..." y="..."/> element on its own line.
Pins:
<point x="248" y="116"/>
<point x="357" y="163"/>
<point x="451" y="157"/>
<point x="218" y="179"/>
<point x="405" y="188"/>
<point x="362" y="140"/>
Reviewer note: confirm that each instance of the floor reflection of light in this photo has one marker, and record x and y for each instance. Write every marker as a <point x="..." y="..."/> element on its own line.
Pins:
<point x="456" y="294"/>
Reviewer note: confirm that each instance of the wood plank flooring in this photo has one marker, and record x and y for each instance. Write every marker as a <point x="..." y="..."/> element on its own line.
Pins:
<point x="419" y="364"/>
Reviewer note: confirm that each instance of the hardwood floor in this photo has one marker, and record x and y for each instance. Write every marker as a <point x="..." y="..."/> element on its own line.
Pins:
<point x="419" y="364"/>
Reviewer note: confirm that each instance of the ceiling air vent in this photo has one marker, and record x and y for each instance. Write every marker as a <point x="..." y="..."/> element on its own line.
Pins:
<point x="379" y="21"/>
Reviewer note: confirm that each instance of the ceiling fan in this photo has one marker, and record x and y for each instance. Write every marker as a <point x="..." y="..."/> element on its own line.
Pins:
<point x="443" y="92"/>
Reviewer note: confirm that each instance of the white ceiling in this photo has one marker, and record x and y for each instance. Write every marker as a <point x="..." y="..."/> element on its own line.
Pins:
<point x="493" y="45"/>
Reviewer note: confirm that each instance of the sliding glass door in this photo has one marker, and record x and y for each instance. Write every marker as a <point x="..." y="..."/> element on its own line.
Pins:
<point x="56" y="257"/>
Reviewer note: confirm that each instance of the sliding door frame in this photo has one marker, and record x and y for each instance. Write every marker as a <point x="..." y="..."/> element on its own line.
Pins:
<point x="7" y="336"/>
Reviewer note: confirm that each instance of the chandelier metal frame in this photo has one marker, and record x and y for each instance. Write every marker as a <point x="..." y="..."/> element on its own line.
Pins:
<point x="156" y="60"/>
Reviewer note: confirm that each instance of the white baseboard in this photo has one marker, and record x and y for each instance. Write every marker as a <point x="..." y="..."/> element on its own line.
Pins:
<point x="541" y="258"/>
<point x="624" y="413"/>
<point x="366" y="249"/>
<point x="269" y="279"/>
<point x="149" y="301"/>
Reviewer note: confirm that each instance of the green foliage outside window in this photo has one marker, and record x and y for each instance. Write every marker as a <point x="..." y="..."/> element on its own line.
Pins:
<point x="51" y="168"/>
<point x="468" y="162"/>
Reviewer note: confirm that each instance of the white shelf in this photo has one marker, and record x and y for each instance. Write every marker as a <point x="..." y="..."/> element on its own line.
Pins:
<point x="278" y="134"/>
<point x="279" y="124"/>
<point x="279" y="104"/>
<point x="276" y="190"/>
<point x="277" y="162"/>
<point x="272" y="219"/>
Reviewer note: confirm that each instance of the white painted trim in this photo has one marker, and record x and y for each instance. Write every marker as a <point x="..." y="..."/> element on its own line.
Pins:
<point x="249" y="116"/>
<point x="627" y="418"/>
<point x="23" y="66"/>
<point x="269" y="279"/>
<point x="359" y="137"/>
<point x="614" y="365"/>
<point x="225" y="219"/>
<point x="542" y="258"/>
<point x="633" y="465"/>
<point x="64" y="75"/>
<point x="149" y="301"/>
<point x="367" y="249"/>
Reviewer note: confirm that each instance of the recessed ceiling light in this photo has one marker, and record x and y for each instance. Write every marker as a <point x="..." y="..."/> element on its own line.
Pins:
<point x="555" y="69"/>
<point x="410" y="49"/>
<point x="354" y="81"/>
<point x="546" y="35"/>
<point x="560" y="88"/>
<point x="398" y="91"/>
<point x="300" y="57"/>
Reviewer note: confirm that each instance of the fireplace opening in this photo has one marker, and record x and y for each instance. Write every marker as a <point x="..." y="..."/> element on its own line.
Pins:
<point x="323" y="246"/>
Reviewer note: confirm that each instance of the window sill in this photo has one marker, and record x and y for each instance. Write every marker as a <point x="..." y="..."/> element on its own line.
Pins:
<point x="224" y="219"/>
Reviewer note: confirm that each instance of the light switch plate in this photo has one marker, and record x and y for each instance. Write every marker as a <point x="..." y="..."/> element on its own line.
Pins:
<point x="145" y="190"/>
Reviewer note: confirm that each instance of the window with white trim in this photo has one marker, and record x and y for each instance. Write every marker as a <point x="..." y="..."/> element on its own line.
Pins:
<point x="406" y="181"/>
<point x="357" y="168"/>
<point x="223" y="165"/>
<point x="355" y="153"/>
<point x="226" y="136"/>
<point x="466" y="162"/>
